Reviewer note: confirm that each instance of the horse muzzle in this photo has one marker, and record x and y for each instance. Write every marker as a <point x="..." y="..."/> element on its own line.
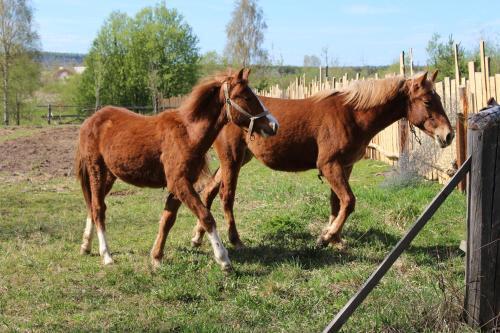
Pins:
<point x="272" y="128"/>
<point x="445" y="137"/>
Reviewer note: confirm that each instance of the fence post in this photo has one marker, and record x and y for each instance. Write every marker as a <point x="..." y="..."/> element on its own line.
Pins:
<point x="461" y="137"/>
<point x="49" y="114"/>
<point x="482" y="294"/>
<point x="403" y="126"/>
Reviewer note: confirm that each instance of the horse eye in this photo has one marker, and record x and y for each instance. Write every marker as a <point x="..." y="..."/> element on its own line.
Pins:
<point x="428" y="104"/>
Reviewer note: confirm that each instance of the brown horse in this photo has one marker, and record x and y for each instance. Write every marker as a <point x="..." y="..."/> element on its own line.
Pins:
<point x="166" y="150"/>
<point x="330" y="132"/>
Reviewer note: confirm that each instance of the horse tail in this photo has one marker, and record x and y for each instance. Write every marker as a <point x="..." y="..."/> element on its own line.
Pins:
<point x="83" y="176"/>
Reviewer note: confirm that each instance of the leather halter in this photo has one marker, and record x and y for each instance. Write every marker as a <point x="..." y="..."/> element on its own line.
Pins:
<point x="229" y="103"/>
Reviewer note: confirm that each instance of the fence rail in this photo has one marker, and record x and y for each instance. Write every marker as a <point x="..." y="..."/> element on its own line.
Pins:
<point x="85" y="111"/>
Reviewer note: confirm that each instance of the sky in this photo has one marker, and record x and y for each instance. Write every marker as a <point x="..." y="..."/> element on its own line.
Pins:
<point x="369" y="32"/>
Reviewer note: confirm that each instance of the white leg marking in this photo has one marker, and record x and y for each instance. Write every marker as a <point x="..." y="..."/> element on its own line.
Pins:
<point x="220" y="251"/>
<point x="103" y="248"/>
<point x="87" y="236"/>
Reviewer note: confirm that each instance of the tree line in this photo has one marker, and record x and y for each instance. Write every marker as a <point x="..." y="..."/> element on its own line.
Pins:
<point x="154" y="54"/>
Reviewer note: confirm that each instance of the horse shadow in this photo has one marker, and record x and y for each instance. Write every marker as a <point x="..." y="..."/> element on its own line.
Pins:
<point x="300" y="248"/>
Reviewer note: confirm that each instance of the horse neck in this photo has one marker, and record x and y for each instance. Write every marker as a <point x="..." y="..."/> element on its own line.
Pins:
<point x="204" y="124"/>
<point x="374" y="120"/>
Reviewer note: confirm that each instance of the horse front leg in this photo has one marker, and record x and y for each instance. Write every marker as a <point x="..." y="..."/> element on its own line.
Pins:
<point x="334" y="200"/>
<point x="337" y="177"/>
<point x="185" y="191"/>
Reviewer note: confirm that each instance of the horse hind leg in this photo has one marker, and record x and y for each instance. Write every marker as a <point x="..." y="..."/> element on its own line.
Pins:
<point x="101" y="180"/>
<point x="207" y="196"/>
<point x="89" y="223"/>
<point x="342" y="203"/>
<point x="166" y="223"/>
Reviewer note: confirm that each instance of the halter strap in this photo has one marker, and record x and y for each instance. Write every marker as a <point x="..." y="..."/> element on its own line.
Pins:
<point x="229" y="103"/>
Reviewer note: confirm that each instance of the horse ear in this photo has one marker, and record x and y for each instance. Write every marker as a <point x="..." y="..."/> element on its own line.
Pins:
<point x="239" y="77"/>
<point x="434" y="75"/>
<point x="420" y="81"/>
<point x="492" y="102"/>
<point x="246" y="73"/>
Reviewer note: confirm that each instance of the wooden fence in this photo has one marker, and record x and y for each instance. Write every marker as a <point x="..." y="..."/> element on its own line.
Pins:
<point x="59" y="113"/>
<point x="387" y="146"/>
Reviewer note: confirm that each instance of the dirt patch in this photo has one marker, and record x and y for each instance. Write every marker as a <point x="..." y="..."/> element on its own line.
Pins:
<point x="47" y="153"/>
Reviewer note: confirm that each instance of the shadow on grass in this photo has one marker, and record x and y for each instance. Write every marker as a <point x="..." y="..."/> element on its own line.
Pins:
<point x="301" y="248"/>
<point x="428" y="255"/>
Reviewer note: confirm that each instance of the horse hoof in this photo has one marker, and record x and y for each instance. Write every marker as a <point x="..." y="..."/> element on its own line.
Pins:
<point x="322" y="243"/>
<point x="340" y="245"/>
<point x="84" y="251"/>
<point x="195" y="243"/>
<point x="155" y="263"/>
<point x="108" y="261"/>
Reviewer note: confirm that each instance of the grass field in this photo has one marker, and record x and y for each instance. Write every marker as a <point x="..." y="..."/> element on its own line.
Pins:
<point x="281" y="283"/>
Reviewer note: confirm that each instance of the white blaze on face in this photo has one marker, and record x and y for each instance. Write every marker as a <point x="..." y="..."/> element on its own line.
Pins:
<point x="220" y="251"/>
<point x="103" y="248"/>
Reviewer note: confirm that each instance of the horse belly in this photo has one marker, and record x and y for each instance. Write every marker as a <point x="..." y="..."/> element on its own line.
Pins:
<point x="144" y="170"/>
<point x="291" y="158"/>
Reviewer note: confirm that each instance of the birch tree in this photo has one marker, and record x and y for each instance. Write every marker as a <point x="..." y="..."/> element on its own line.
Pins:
<point x="17" y="38"/>
<point x="245" y="34"/>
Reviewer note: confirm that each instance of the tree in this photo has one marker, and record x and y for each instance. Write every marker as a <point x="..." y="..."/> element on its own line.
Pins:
<point x="25" y="79"/>
<point x="211" y="62"/>
<point x="17" y="38"/>
<point x="245" y="34"/>
<point x="442" y="56"/>
<point x="136" y="61"/>
<point x="312" y="61"/>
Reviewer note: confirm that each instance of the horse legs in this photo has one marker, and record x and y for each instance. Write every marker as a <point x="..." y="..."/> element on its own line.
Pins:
<point x="207" y="196"/>
<point x="334" y="200"/>
<point x="100" y="184"/>
<point x="185" y="191"/>
<point x="167" y="220"/>
<point x="338" y="177"/>
<point x="89" y="225"/>
<point x="227" y="177"/>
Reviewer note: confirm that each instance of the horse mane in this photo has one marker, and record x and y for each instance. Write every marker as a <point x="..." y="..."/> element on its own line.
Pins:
<point x="192" y="106"/>
<point x="366" y="94"/>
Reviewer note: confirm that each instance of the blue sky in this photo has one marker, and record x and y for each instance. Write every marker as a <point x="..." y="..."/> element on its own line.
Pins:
<point x="356" y="32"/>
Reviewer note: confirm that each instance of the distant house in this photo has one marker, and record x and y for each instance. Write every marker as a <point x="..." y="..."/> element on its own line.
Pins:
<point x="63" y="73"/>
<point x="79" y="69"/>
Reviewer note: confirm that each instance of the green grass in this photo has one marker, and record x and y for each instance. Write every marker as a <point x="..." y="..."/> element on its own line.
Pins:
<point x="281" y="283"/>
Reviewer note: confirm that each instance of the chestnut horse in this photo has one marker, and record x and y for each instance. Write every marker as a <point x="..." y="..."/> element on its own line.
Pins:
<point x="330" y="132"/>
<point x="166" y="150"/>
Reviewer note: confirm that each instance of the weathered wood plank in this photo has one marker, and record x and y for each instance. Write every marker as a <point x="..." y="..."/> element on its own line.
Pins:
<point x="483" y="228"/>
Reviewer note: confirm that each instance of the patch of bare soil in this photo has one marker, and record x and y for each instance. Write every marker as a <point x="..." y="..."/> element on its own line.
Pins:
<point x="47" y="153"/>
